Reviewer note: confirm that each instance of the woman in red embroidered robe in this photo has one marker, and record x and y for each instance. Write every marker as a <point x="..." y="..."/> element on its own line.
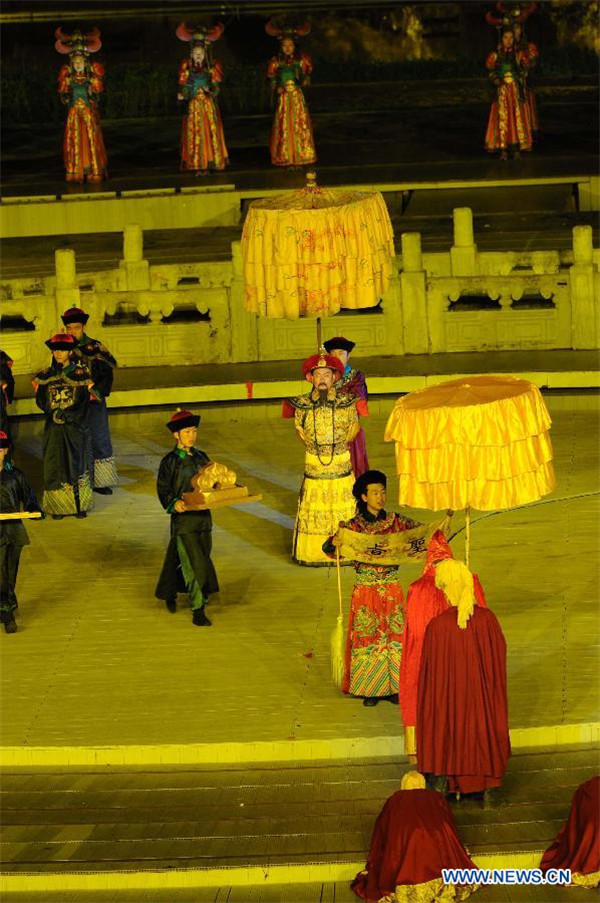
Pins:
<point x="202" y="139"/>
<point x="529" y="56"/>
<point x="376" y="621"/>
<point x="292" y="143"/>
<point x="80" y="83"/>
<point x="509" y="126"/>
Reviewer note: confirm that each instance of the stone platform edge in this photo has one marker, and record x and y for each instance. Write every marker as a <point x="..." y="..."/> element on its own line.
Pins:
<point x="278" y="389"/>
<point x="233" y="876"/>
<point x="263" y="751"/>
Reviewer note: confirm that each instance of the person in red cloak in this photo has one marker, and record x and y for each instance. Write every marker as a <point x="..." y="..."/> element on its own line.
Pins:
<point x="414" y="838"/>
<point x="462" y="708"/>
<point x="423" y="602"/>
<point x="577" y="845"/>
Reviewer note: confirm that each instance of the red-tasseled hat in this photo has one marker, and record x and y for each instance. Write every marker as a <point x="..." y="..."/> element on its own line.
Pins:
<point x="4" y="440"/>
<point x="322" y="360"/>
<point x="75" y="315"/>
<point x="438" y="549"/>
<point x="62" y="341"/>
<point x="182" y="419"/>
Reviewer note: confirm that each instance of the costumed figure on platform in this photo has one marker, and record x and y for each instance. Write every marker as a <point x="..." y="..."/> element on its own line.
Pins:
<point x="202" y="139"/>
<point x="526" y="53"/>
<point x="376" y="621"/>
<point x="577" y="845"/>
<point x="62" y="393"/>
<point x="188" y="566"/>
<point x="292" y="143"/>
<point x="16" y="496"/>
<point x="80" y="83"/>
<point x="7" y="393"/>
<point x="462" y="709"/>
<point x="424" y="602"/>
<point x="326" y="424"/>
<point x="101" y="365"/>
<point x="415" y="837"/>
<point x="509" y="124"/>
<point x="354" y="383"/>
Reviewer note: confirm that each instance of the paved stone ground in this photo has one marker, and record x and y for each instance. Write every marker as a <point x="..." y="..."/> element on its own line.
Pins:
<point x="97" y="660"/>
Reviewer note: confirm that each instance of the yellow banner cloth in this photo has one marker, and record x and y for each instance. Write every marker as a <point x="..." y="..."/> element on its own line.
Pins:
<point x="388" y="548"/>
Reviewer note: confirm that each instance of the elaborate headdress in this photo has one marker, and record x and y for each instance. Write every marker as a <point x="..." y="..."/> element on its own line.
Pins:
<point x="78" y="42"/>
<point x="284" y="28"/>
<point x="200" y="34"/>
<point x="506" y="16"/>
<point x="4" y="440"/>
<point x="413" y="780"/>
<point x="456" y="581"/>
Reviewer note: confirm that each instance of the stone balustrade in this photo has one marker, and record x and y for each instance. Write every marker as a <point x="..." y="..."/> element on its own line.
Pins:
<point x="193" y="313"/>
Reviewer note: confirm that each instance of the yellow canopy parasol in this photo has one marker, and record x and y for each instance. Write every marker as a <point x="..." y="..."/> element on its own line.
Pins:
<point x="311" y="252"/>
<point x="475" y="442"/>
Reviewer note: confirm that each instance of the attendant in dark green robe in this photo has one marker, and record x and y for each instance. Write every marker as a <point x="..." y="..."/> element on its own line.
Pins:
<point x="15" y="495"/>
<point x="101" y="364"/>
<point x="188" y="566"/>
<point x="62" y="393"/>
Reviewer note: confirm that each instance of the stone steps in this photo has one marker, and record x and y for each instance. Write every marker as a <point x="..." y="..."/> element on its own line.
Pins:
<point x="266" y="816"/>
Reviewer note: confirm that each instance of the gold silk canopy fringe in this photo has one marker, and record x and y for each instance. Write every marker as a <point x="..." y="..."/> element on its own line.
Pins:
<point x="311" y="252"/>
<point x="476" y="442"/>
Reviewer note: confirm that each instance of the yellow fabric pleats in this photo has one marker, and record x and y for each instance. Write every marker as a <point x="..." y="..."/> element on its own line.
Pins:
<point x="312" y="252"/>
<point x="479" y="441"/>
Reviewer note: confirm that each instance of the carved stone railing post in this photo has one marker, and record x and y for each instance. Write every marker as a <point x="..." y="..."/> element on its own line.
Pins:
<point x="413" y="292"/>
<point x="66" y="293"/>
<point x="463" y="253"/>
<point x="244" y="326"/>
<point x="585" y="318"/>
<point x="135" y="271"/>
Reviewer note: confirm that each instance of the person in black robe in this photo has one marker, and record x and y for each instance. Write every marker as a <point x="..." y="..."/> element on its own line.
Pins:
<point x="188" y="566"/>
<point x="101" y="364"/>
<point x="7" y="393"/>
<point x="15" y="495"/>
<point x="62" y="393"/>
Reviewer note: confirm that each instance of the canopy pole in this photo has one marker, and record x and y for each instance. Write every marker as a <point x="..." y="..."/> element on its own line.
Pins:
<point x="467" y="534"/>
<point x="319" y="335"/>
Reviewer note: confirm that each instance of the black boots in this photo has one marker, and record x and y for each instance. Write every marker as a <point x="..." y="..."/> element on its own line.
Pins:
<point x="103" y="490"/>
<point x="8" y="619"/>
<point x="200" y="619"/>
<point x="171" y="605"/>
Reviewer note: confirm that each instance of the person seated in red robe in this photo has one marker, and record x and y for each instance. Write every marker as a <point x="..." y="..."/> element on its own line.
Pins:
<point x="577" y="845"/>
<point x="423" y="602"/>
<point x="462" y="709"/>
<point x="414" y="838"/>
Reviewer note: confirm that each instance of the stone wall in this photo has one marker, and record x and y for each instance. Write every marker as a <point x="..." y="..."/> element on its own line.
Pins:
<point x="193" y="313"/>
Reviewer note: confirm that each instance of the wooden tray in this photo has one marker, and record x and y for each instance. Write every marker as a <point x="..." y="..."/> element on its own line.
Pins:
<point x="226" y="503"/>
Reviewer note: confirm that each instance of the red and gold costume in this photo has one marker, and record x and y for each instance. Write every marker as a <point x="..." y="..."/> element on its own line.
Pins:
<point x="376" y="620"/>
<point x="509" y="124"/>
<point x="414" y="838"/>
<point x="424" y="602"/>
<point x="202" y="139"/>
<point x="80" y="83"/>
<point x="577" y="845"/>
<point x="292" y="142"/>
